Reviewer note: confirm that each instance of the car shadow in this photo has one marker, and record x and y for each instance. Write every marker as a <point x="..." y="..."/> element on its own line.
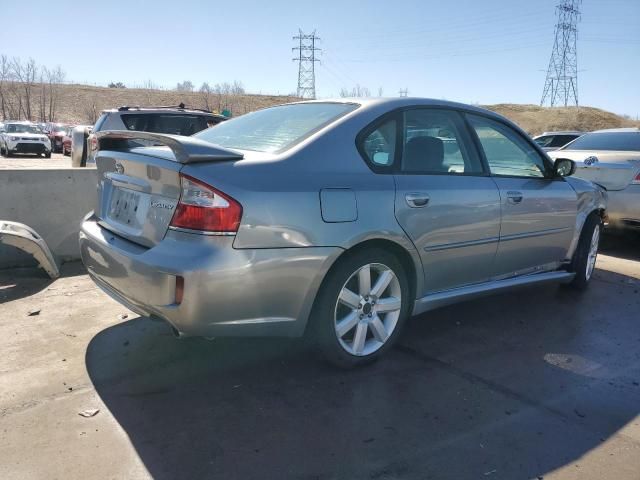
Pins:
<point x="622" y="245"/>
<point x="21" y="282"/>
<point x="519" y="383"/>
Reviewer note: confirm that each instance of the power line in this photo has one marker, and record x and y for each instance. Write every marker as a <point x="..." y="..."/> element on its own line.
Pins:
<point x="306" y="63"/>
<point x="561" y="84"/>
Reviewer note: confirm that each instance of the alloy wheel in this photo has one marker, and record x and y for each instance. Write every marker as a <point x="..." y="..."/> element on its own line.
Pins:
<point x="367" y="309"/>
<point x="593" y="252"/>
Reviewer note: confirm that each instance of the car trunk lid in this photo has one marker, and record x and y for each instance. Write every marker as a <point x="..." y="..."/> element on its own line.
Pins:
<point x="139" y="188"/>
<point x="612" y="170"/>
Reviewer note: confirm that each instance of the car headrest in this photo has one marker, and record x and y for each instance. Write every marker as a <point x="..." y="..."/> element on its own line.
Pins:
<point x="424" y="154"/>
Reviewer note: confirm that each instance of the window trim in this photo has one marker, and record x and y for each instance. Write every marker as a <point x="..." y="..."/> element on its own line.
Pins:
<point x="545" y="158"/>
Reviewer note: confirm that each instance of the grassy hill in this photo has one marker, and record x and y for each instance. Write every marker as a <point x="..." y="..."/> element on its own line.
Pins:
<point x="535" y="119"/>
<point x="81" y="103"/>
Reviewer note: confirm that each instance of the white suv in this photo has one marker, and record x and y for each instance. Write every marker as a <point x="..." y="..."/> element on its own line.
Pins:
<point x="23" y="137"/>
<point x="176" y="120"/>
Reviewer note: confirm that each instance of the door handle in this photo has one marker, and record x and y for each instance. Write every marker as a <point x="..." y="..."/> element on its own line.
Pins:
<point x="417" y="200"/>
<point x="514" y="197"/>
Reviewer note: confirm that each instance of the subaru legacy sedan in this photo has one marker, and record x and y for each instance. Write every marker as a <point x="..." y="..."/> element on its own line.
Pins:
<point x="335" y="219"/>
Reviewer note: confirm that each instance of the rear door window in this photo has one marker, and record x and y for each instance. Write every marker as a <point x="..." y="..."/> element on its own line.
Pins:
<point x="561" y="140"/>
<point x="98" y="126"/>
<point x="434" y="143"/>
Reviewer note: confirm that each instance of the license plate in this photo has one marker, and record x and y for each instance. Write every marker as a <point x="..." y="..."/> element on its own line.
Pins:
<point x="124" y="206"/>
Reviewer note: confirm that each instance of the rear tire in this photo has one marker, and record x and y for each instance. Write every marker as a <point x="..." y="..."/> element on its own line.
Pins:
<point x="584" y="258"/>
<point x="361" y="308"/>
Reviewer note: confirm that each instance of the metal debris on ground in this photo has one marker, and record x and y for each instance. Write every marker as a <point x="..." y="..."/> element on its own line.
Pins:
<point x="91" y="412"/>
<point x="123" y="316"/>
<point x="34" y="311"/>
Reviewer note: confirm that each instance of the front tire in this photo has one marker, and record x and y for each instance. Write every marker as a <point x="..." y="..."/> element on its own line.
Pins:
<point x="361" y="308"/>
<point x="584" y="258"/>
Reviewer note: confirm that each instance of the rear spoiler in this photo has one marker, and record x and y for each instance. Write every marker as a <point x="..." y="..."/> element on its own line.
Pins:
<point x="185" y="149"/>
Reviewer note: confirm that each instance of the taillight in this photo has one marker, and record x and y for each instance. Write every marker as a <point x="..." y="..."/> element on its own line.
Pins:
<point x="636" y="181"/>
<point x="201" y="207"/>
<point x="93" y="144"/>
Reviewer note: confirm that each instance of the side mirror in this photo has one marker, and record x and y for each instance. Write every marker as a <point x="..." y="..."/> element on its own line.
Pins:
<point x="564" y="167"/>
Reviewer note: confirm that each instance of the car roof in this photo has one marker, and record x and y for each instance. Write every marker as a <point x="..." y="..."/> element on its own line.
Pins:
<point x="563" y="132"/>
<point x="392" y="103"/>
<point x="618" y="130"/>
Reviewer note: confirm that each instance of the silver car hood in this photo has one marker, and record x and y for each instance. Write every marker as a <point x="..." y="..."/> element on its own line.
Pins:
<point x="613" y="170"/>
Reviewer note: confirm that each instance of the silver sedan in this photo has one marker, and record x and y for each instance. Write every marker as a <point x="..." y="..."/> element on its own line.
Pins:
<point x="338" y="219"/>
<point x="611" y="158"/>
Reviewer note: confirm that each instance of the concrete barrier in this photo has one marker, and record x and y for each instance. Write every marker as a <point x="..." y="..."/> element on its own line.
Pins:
<point x="52" y="202"/>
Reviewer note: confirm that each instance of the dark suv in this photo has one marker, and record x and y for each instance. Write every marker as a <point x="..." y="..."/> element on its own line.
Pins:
<point x="176" y="120"/>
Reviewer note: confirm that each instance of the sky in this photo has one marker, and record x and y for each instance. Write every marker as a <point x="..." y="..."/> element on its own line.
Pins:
<point x="472" y="51"/>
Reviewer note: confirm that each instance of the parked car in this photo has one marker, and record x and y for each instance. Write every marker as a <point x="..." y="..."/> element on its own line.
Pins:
<point x="611" y="158"/>
<point x="67" y="140"/>
<point x="178" y="120"/>
<point x="23" y="137"/>
<point x="334" y="218"/>
<point x="550" y="141"/>
<point x="56" y="132"/>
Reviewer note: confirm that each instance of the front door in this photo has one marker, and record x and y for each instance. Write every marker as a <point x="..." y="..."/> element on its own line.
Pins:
<point x="538" y="212"/>
<point x="445" y="202"/>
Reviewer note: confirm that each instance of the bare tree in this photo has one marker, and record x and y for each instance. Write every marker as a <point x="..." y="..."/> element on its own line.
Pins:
<point x="206" y="93"/>
<point x="186" y="86"/>
<point x="54" y="78"/>
<point x="5" y="77"/>
<point x="91" y="112"/>
<point x="237" y="88"/>
<point x="357" y="91"/>
<point x="26" y="74"/>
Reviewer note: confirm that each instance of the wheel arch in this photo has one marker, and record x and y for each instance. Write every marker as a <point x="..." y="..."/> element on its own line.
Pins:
<point x="408" y="258"/>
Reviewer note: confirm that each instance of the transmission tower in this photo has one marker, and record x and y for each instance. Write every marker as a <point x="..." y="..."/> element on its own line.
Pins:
<point x="306" y="63"/>
<point x="561" y="84"/>
<point x="403" y="92"/>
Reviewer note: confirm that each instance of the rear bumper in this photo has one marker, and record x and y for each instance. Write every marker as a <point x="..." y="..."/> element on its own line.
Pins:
<point x="227" y="291"/>
<point x="623" y="208"/>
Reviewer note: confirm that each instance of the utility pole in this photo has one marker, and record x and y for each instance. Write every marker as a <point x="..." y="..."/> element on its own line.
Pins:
<point x="306" y="63"/>
<point x="404" y="92"/>
<point x="561" y="84"/>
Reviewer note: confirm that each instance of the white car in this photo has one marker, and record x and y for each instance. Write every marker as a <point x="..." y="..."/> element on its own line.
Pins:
<point x="550" y="141"/>
<point x="23" y="137"/>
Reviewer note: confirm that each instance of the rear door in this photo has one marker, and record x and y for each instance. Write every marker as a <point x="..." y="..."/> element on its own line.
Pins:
<point x="538" y="212"/>
<point x="444" y="201"/>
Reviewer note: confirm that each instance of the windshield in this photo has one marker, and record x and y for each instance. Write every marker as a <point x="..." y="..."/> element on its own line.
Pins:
<point x="21" y="128"/>
<point x="275" y="129"/>
<point x="620" y="141"/>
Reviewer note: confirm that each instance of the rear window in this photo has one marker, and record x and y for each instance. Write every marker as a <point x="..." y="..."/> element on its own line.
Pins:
<point x="277" y="128"/>
<point x="621" y="141"/>
<point x="98" y="126"/>
<point x="164" y="123"/>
